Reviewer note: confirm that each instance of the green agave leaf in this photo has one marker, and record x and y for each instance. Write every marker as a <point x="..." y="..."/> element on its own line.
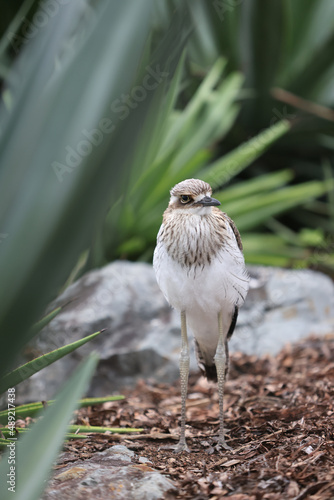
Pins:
<point x="132" y="246"/>
<point x="37" y="327"/>
<point x="98" y="401"/>
<point x="4" y="443"/>
<point x="257" y="209"/>
<point x="145" y="182"/>
<point x="231" y="164"/>
<point x="92" y="428"/>
<point x="329" y="177"/>
<point x="260" y="184"/>
<point x="261" y="60"/>
<point x="28" y="369"/>
<point x="268" y="259"/>
<point x="308" y="46"/>
<point x="214" y="121"/>
<point x="37" y="450"/>
<point x="77" y="269"/>
<point x="271" y="250"/>
<point x="298" y="40"/>
<point x="8" y="433"/>
<point x="284" y="233"/>
<point x="180" y="129"/>
<point x="168" y="110"/>
<point x="70" y="435"/>
<point x="74" y="431"/>
<point x="32" y="409"/>
<point x="270" y="245"/>
<point x="7" y="38"/>
<point x="217" y="25"/>
<point x="151" y="140"/>
<point x="23" y="411"/>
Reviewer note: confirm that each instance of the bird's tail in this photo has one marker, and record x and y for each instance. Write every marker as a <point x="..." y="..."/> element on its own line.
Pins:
<point x="209" y="369"/>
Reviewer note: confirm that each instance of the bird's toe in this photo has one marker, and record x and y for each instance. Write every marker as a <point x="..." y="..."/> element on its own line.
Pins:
<point x="222" y="445"/>
<point x="177" y="448"/>
<point x="181" y="447"/>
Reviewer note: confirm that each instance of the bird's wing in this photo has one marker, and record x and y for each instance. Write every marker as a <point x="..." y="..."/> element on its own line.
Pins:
<point x="226" y="219"/>
<point x="235" y="230"/>
<point x="208" y="369"/>
<point x="233" y="322"/>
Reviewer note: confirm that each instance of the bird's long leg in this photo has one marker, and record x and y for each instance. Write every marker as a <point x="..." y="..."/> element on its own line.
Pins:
<point x="184" y="372"/>
<point x="221" y="361"/>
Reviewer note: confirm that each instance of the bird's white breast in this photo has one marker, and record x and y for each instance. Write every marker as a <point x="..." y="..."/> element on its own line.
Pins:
<point x="209" y="287"/>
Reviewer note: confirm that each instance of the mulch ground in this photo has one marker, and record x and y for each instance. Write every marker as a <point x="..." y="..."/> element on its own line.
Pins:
<point x="279" y="419"/>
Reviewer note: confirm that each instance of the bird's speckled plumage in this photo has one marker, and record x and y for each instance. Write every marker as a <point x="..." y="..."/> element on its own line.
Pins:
<point x="196" y="240"/>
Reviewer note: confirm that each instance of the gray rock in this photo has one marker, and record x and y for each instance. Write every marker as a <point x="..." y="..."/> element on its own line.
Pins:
<point x="120" y="452"/>
<point x="283" y="306"/>
<point x="142" y="337"/>
<point x="106" y="476"/>
<point x="144" y="460"/>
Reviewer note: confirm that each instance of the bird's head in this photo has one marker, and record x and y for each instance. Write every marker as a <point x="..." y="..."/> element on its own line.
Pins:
<point x="192" y="196"/>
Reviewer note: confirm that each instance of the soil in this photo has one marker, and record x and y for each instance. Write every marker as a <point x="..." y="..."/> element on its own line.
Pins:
<point x="279" y="421"/>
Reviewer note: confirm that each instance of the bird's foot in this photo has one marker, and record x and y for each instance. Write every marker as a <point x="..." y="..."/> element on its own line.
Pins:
<point x="222" y="445"/>
<point x="180" y="447"/>
<point x="177" y="448"/>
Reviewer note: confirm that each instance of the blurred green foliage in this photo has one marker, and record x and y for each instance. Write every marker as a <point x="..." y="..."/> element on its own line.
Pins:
<point x="284" y="51"/>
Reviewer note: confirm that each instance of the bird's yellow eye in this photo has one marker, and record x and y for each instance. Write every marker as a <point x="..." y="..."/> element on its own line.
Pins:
<point x="185" y="198"/>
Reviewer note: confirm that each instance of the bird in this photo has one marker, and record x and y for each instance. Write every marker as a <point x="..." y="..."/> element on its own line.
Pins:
<point x="200" y="268"/>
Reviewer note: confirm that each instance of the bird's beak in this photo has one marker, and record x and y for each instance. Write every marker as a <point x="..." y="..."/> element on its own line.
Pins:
<point x="207" y="201"/>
